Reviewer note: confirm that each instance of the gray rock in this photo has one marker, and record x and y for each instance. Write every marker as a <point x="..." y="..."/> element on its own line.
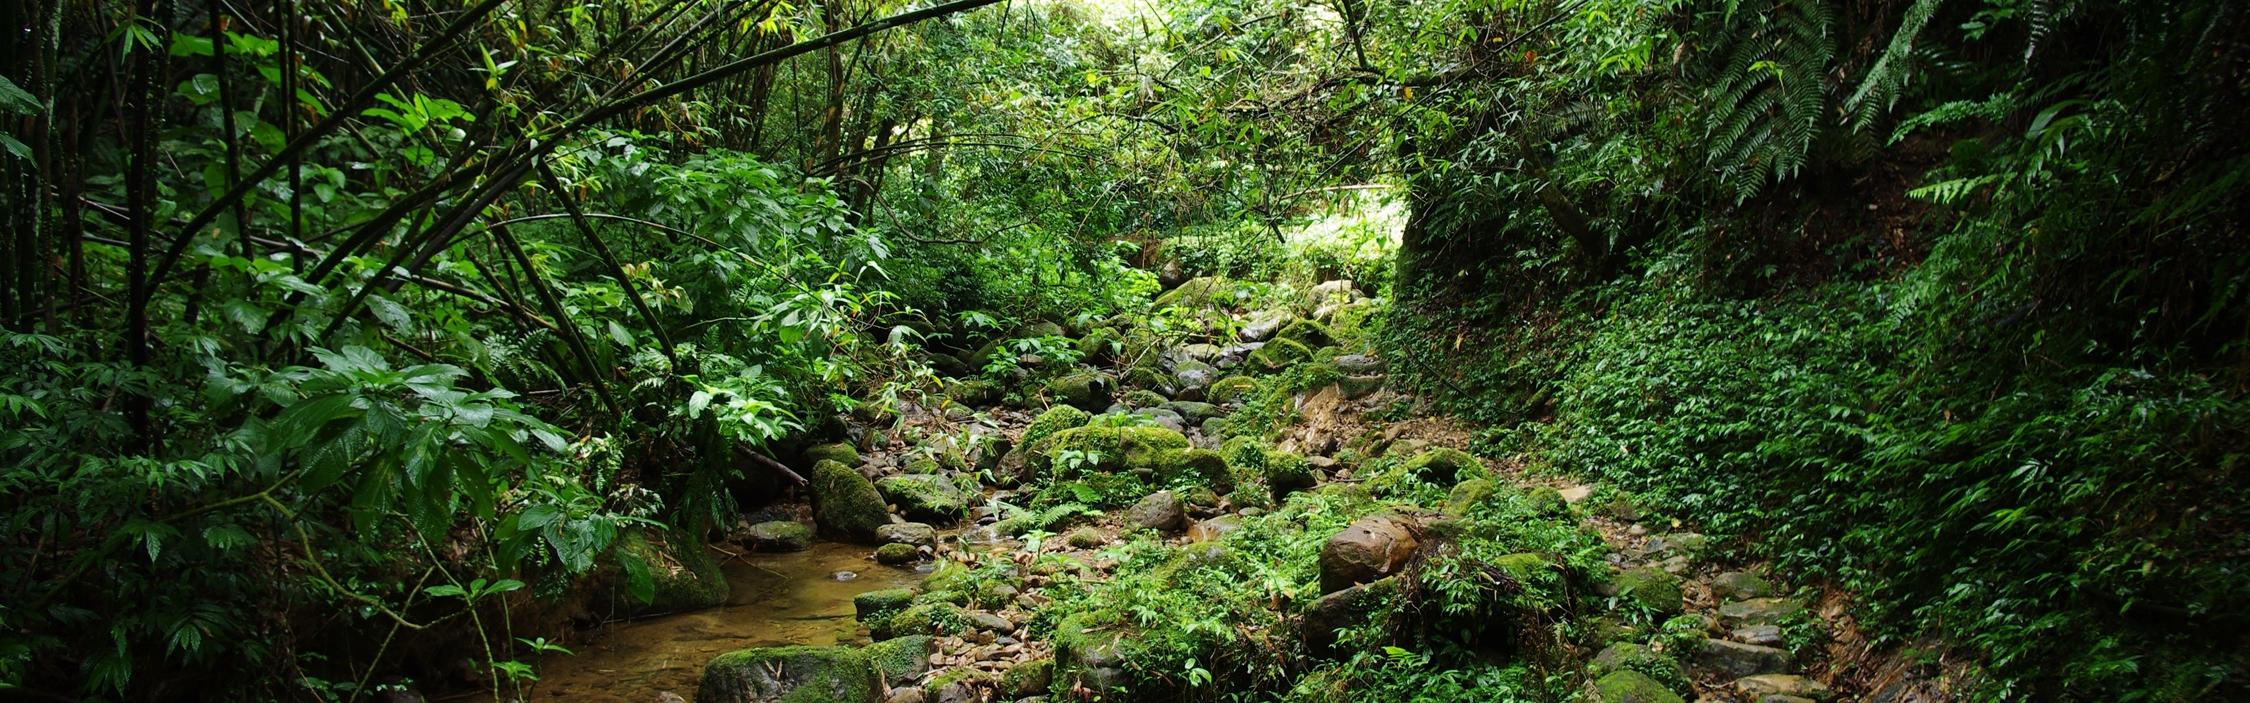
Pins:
<point x="1193" y="375"/>
<point x="1357" y="387"/>
<point x="1784" y="685"/>
<point x="1159" y="511"/>
<point x="1194" y="412"/>
<point x="778" y="536"/>
<point x="1262" y="325"/>
<point x="1761" y="611"/>
<point x="925" y="497"/>
<point x="1765" y="635"/>
<point x="1735" y="659"/>
<point x="1342" y="609"/>
<point x="1359" y="364"/>
<point x="1164" y="418"/>
<point x="1737" y="585"/>
<point x="909" y="533"/>
<point x="990" y="622"/>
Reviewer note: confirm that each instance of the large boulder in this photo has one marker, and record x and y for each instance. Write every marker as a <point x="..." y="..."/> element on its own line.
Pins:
<point x="1735" y="659"/>
<point x="682" y="574"/>
<point x="778" y="536"/>
<point x="1204" y="291"/>
<point x="1345" y="608"/>
<point x="838" y="452"/>
<point x="1761" y="611"/>
<point x="926" y="497"/>
<point x="1306" y="332"/>
<point x="1055" y="419"/>
<point x="1279" y="354"/>
<point x="1193" y="377"/>
<point x="790" y="675"/>
<point x="1232" y="389"/>
<point x="914" y="534"/>
<point x="1763" y="687"/>
<point x="1651" y="588"/>
<point x="1160" y="511"/>
<point x="1262" y="326"/>
<point x="1369" y="549"/>
<point x="846" y="504"/>
<point x="1628" y="656"/>
<point x="901" y="658"/>
<point x="1084" y="390"/>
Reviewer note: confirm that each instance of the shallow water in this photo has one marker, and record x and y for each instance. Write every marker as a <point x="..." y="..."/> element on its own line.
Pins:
<point x="777" y="599"/>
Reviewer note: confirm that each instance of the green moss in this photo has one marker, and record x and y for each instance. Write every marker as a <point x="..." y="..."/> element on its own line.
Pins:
<point x="1055" y="419"/>
<point x="1650" y="588"/>
<point x="1445" y="466"/>
<point x="790" y="675"/>
<point x="929" y="618"/>
<point x="1306" y="332"/>
<point x="1468" y="495"/>
<point x="1232" y="389"/>
<point x="949" y="576"/>
<point x="975" y="392"/>
<point x="1138" y="399"/>
<point x="845" y="503"/>
<point x="1279" y="354"/>
<point x="1627" y="656"/>
<point x="1192" y="467"/>
<point x="1099" y="345"/>
<point x="1105" y="450"/>
<point x="1545" y="501"/>
<point x="1197" y="293"/>
<point x="876" y="605"/>
<point x="1085" y="390"/>
<point x="896" y="554"/>
<point x="683" y="575"/>
<point x="837" y="452"/>
<point x="925" y="496"/>
<point x="1632" y="687"/>
<point x="1029" y="678"/>
<point x="901" y="658"/>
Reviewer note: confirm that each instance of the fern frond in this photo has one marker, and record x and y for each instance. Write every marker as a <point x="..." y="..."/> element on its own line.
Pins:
<point x="1879" y="89"/>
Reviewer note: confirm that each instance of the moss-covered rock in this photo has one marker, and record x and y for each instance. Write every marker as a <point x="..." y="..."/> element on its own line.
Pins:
<point x="1279" y="354"/>
<point x="1055" y="419"/>
<point x="846" y="504"/>
<point x="896" y="554"/>
<point x="1028" y="679"/>
<point x="1650" y="588"/>
<point x="681" y="573"/>
<point x="1149" y="378"/>
<point x="975" y="392"/>
<point x="1085" y="390"/>
<point x="961" y="683"/>
<point x="1107" y="449"/>
<point x="1085" y="538"/>
<point x="1468" y="495"/>
<point x="1627" y="656"/>
<point x="1546" y="501"/>
<point x="1233" y="389"/>
<point x="1632" y="687"/>
<point x="838" y="452"/>
<point x="1137" y="399"/>
<point x="1306" y="332"/>
<point x="874" y="606"/>
<point x="949" y="576"/>
<point x="1445" y="466"/>
<point x="925" y="497"/>
<point x="778" y="536"/>
<point x="1099" y="345"/>
<point x="926" y="618"/>
<point x="789" y="675"/>
<point x="1199" y="292"/>
<point x="901" y="658"/>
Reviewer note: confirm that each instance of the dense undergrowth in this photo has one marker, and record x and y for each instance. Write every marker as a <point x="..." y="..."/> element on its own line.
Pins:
<point x="341" y="338"/>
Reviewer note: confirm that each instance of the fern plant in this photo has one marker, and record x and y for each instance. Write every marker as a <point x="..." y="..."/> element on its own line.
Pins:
<point x="1769" y="94"/>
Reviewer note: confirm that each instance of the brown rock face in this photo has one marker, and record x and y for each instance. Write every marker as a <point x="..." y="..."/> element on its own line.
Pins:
<point x="1371" y="548"/>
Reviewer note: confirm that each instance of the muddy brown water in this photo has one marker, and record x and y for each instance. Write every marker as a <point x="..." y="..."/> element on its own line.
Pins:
<point x="777" y="600"/>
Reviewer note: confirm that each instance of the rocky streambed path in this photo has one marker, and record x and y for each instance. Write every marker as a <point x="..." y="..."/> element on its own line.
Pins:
<point x="1253" y="498"/>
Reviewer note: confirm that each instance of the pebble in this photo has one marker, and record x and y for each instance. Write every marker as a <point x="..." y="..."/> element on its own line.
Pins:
<point x="844" y="575"/>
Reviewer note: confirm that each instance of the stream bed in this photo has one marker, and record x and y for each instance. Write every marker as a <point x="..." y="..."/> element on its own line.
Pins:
<point x="777" y="599"/>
